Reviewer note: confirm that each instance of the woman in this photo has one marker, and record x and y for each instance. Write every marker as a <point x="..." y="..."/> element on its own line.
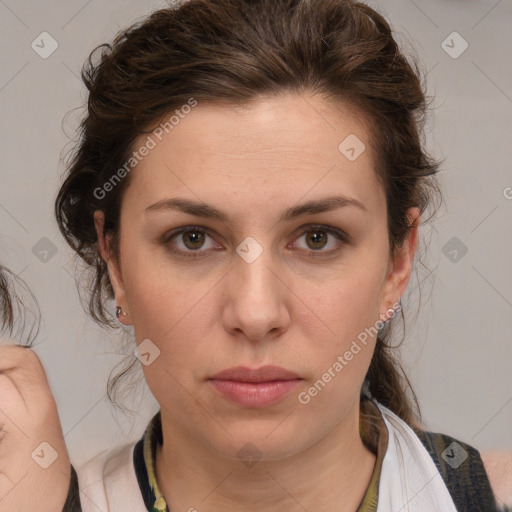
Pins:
<point x="248" y="189"/>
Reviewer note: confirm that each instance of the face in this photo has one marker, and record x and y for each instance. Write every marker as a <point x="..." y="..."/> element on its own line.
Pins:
<point x="267" y="281"/>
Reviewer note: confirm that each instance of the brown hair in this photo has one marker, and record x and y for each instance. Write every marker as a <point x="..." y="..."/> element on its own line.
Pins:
<point x="235" y="51"/>
<point x="19" y="312"/>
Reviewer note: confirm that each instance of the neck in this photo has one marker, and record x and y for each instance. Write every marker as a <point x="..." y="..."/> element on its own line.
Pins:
<point x="331" y="475"/>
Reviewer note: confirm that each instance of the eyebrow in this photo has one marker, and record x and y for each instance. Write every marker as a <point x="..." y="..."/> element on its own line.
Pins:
<point x="209" y="212"/>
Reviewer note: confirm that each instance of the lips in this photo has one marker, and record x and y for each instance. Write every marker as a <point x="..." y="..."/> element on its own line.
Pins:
<point x="264" y="374"/>
<point x="251" y="388"/>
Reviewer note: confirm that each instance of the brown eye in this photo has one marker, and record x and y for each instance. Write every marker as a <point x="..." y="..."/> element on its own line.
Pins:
<point x="194" y="238"/>
<point x="318" y="238"/>
<point x="189" y="241"/>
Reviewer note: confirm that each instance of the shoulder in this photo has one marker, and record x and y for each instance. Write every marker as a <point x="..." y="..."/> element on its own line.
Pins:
<point x="498" y="465"/>
<point x="106" y="459"/>
<point x="97" y="474"/>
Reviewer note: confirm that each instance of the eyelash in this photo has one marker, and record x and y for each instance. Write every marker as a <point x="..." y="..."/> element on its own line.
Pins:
<point x="342" y="237"/>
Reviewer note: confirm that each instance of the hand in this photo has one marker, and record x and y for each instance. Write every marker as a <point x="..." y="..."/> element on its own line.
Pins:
<point x="30" y="436"/>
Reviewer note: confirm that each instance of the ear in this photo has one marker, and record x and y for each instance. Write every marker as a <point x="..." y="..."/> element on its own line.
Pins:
<point x="114" y="270"/>
<point x="400" y="266"/>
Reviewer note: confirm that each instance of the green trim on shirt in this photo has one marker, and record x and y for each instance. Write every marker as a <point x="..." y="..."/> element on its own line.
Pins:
<point x="371" y="496"/>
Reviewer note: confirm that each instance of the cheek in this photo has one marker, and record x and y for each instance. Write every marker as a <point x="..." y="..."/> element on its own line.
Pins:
<point x="172" y="309"/>
<point x="157" y="294"/>
<point x="341" y="326"/>
<point x="164" y="311"/>
<point x="350" y="304"/>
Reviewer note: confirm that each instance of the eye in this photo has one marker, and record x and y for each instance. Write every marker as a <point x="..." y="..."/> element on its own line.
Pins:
<point x="317" y="238"/>
<point x="189" y="239"/>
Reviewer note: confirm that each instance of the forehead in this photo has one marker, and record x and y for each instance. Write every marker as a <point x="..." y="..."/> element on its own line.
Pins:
<point x="279" y="148"/>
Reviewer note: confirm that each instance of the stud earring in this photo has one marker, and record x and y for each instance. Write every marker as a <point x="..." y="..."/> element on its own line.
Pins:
<point x="119" y="311"/>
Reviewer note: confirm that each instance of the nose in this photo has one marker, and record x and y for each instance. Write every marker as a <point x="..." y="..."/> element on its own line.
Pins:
<point x="258" y="300"/>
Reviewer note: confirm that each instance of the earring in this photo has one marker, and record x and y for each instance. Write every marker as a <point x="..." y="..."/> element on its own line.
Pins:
<point x="119" y="310"/>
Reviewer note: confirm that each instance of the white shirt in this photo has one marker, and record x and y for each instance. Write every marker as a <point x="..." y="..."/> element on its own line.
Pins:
<point x="409" y="481"/>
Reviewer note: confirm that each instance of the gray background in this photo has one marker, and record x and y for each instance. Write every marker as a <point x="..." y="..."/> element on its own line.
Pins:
<point x="459" y="351"/>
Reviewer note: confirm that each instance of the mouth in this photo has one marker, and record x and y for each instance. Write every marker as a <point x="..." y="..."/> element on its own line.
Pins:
<point x="255" y="387"/>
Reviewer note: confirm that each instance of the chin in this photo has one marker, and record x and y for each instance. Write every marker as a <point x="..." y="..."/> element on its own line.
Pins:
<point x="258" y="440"/>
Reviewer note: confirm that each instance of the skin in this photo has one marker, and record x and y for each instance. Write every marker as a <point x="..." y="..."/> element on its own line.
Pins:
<point x="498" y="465"/>
<point x="34" y="462"/>
<point x="287" y="309"/>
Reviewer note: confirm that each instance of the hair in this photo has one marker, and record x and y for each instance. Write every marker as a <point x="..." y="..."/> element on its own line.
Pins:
<point x="234" y="52"/>
<point x="15" y="299"/>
